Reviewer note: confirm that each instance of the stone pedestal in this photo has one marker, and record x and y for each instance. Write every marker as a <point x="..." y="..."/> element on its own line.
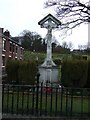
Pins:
<point x="49" y="74"/>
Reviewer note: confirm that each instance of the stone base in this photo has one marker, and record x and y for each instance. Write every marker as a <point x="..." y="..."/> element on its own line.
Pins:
<point x="49" y="74"/>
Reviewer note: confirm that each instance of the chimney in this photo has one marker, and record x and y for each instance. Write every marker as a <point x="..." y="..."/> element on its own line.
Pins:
<point x="7" y="33"/>
<point x="1" y="32"/>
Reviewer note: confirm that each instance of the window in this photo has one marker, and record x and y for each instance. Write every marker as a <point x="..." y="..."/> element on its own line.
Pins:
<point x="4" y="44"/>
<point x="16" y="48"/>
<point x="13" y="47"/>
<point x="21" y="50"/>
<point x="10" y="46"/>
<point x="3" y="60"/>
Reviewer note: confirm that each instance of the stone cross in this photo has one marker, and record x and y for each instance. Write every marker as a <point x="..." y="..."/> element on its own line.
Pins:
<point x="49" y="27"/>
<point x="49" y="22"/>
<point x="49" y="70"/>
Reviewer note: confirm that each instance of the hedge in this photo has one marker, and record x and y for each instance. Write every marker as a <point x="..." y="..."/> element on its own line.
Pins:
<point x="88" y="78"/>
<point x="12" y="71"/>
<point x="74" y="73"/>
<point x="57" y="62"/>
<point x="21" y="72"/>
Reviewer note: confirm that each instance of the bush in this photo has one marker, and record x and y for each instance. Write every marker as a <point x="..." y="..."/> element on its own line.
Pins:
<point x="57" y="61"/>
<point x="12" y="71"/>
<point x="21" y="72"/>
<point x="27" y="72"/>
<point x="88" y="78"/>
<point x="74" y="73"/>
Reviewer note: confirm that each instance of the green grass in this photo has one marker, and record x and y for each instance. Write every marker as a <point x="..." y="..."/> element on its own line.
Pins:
<point x="33" y="56"/>
<point x="28" y="55"/>
<point x="23" y="103"/>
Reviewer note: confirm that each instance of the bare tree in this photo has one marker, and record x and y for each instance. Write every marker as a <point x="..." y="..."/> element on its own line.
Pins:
<point x="71" y="13"/>
<point x="80" y="47"/>
<point x="70" y="45"/>
<point x="64" y="44"/>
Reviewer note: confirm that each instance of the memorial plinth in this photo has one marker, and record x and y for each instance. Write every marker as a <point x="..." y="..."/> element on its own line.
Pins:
<point x="49" y="70"/>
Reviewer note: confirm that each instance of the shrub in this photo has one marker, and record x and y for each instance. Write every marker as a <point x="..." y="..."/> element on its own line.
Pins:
<point x="88" y="78"/>
<point x="12" y="71"/>
<point x="74" y="73"/>
<point x="57" y="61"/>
<point x="27" y="72"/>
<point x="21" y="72"/>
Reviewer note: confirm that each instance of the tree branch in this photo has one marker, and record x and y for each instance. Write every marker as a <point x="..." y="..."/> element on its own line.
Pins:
<point x="71" y="13"/>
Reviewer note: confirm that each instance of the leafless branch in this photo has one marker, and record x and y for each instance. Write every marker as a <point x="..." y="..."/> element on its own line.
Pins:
<point x="71" y="13"/>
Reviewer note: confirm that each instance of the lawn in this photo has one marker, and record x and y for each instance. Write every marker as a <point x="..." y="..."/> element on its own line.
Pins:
<point x="28" y="55"/>
<point x="52" y="103"/>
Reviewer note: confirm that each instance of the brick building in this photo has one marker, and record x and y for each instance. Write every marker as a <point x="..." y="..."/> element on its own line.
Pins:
<point x="10" y="48"/>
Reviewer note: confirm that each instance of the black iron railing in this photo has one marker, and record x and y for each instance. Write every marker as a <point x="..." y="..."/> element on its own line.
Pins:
<point x="49" y="100"/>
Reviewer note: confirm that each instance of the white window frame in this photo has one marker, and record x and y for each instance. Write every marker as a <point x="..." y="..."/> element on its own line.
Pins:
<point x="10" y="48"/>
<point x="4" y="45"/>
<point x="3" y="60"/>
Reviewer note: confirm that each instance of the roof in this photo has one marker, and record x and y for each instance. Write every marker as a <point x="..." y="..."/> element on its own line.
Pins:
<point x="49" y="17"/>
<point x="10" y="39"/>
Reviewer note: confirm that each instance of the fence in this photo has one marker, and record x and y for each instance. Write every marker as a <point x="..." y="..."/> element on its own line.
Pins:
<point x="50" y="100"/>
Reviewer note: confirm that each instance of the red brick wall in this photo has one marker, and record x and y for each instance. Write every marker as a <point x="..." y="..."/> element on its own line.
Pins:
<point x="12" y="54"/>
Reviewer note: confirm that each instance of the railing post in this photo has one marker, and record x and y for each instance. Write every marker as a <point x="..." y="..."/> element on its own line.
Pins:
<point x="37" y="93"/>
<point x="41" y="98"/>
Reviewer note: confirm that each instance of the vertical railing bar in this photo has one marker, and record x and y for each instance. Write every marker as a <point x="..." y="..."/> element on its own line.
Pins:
<point x="12" y="98"/>
<point x="17" y="98"/>
<point x="7" y="98"/>
<point x="51" y="101"/>
<point x="71" y="111"/>
<point x="88" y="102"/>
<point x="81" y="102"/>
<point x="27" y="100"/>
<point x="33" y="90"/>
<point x="37" y="94"/>
<point x="37" y="97"/>
<point x="23" y="100"/>
<point x="41" y="99"/>
<point x="2" y="98"/>
<point x="67" y="101"/>
<point x="56" y="101"/>
<point x="61" y="99"/>
<point x="46" y="100"/>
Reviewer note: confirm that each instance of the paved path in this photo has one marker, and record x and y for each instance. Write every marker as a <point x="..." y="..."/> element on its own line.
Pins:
<point x="24" y="117"/>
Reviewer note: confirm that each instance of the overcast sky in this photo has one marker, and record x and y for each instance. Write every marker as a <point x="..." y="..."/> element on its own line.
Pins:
<point x="18" y="15"/>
